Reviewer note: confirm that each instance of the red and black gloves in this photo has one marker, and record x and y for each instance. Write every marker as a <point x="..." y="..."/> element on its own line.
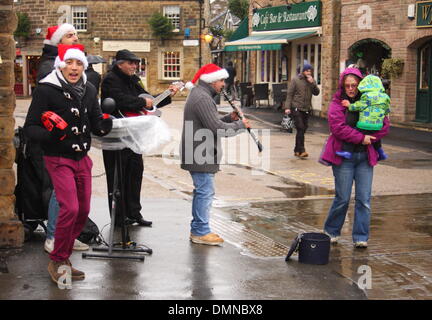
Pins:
<point x="55" y="124"/>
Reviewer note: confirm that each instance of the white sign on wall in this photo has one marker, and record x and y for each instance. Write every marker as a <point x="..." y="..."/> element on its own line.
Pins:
<point x="365" y="19"/>
<point x="134" y="46"/>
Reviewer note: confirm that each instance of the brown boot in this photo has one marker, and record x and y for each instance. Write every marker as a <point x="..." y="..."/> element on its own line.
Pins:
<point x="58" y="273"/>
<point x="304" y="155"/>
<point x="76" y="274"/>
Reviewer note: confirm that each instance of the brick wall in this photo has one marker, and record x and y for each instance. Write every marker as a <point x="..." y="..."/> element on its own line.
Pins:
<point x="389" y="24"/>
<point x="11" y="230"/>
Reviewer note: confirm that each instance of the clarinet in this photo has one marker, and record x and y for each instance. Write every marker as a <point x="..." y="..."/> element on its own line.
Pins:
<point x="240" y="114"/>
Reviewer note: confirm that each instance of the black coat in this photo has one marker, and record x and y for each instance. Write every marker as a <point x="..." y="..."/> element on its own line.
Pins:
<point x="83" y="114"/>
<point x="125" y="90"/>
<point x="46" y="63"/>
<point x="93" y="77"/>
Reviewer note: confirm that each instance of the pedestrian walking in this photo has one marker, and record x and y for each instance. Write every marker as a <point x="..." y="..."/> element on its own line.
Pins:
<point x="124" y="86"/>
<point x="200" y="147"/>
<point x="358" y="169"/>
<point x="299" y="105"/>
<point x="93" y="77"/>
<point x="230" y="81"/>
<point x="63" y="112"/>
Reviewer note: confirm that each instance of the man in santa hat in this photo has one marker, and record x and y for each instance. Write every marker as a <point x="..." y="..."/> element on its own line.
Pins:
<point x="200" y="147"/>
<point x="63" y="112"/>
<point x="64" y="34"/>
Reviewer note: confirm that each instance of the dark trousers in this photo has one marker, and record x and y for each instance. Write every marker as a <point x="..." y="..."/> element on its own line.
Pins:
<point x="301" y="119"/>
<point x="132" y="170"/>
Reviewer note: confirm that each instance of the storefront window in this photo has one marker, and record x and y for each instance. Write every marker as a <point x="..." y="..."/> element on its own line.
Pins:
<point x="310" y="53"/>
<point x="424" y="67"/>
<point x="268" y="66"/>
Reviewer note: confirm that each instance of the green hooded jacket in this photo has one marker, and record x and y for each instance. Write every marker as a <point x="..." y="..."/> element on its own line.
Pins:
<point x="373" y="105"/>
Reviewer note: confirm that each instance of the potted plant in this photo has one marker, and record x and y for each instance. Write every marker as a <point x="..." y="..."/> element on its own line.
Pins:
<point x="161" y="26"/>
<point x="392" y="67"/>
<point x="22" y="31"/>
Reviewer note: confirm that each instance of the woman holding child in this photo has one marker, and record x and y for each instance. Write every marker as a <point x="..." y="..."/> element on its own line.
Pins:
<point x="358" y="169"/>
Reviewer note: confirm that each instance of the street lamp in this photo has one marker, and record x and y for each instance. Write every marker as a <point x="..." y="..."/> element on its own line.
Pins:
<point x="208" y="38"/>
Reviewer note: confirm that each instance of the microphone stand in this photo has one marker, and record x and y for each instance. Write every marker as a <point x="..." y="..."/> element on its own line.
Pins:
<point x="118" y="200"/>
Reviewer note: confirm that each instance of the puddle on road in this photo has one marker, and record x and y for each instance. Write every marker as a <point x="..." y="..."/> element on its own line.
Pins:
<point x="400" y="245"/>
<point x="301" y="190"/>
<point x="409" y="164"/>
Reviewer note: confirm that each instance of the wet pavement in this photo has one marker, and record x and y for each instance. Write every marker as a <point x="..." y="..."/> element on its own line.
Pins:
<point x="178" y="269"/>
<point x="258" y="211"/>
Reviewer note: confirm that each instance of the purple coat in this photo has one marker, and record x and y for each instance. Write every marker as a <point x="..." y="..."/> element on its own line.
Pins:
<point x="340" y="131"/>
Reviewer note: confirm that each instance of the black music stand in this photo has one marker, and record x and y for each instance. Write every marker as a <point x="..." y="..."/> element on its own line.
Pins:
<point x="117" y="199"/>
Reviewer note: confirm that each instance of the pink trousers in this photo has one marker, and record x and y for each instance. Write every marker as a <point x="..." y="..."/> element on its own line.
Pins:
<point x="72" y="185"/>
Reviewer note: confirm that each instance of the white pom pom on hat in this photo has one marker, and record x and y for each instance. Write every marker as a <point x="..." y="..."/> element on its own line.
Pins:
<point x="74" y="51"/>
<point x="56" y="33"/>
<point x="208" y="73"/>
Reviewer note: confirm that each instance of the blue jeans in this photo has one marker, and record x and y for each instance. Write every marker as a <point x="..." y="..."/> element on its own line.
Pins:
<point x="356" y="169"/>
<point x="53" y="210"/>
<point x="202" y="202"/>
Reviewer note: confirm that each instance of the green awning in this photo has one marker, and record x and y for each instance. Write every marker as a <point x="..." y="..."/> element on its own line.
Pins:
<point x="242" y="30"/>
<point x="265" y="41"/>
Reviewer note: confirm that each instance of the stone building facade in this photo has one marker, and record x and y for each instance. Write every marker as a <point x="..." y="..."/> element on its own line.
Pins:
<point x="11" y="229"/>
<point x="375" y="30"/>
<point x="108" y="26"/>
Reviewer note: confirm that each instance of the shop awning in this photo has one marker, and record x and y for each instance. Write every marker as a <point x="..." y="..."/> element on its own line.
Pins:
<point x="265" y="41"/>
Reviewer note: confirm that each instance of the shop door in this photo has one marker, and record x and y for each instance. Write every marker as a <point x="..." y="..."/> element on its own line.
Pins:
<point x="424" y="85"/>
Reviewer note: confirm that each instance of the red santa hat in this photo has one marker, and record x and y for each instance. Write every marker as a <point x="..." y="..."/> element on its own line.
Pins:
<point x="74" y="51"/>
<point x="208" y="73"/>
<point x="56" y="33"/>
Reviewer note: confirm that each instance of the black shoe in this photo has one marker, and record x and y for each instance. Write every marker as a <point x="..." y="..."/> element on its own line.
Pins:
<point x="143" y="223"/>
<point x="127" y="222"/>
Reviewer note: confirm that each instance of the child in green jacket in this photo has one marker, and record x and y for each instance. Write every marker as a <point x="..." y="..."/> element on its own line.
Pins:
<point x="373" y="106"/>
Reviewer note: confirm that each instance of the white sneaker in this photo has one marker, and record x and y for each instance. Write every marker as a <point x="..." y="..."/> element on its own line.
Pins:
<point x="49" y="245"/>
<point x="80" y="246"/>
<point x="333" y="239"/>
<point x="361" y="244"/>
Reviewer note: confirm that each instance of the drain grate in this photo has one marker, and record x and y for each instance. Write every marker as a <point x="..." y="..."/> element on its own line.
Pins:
<point x="251" y="242"/>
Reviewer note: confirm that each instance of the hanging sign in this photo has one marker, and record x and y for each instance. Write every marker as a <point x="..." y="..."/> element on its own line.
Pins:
<point x="300" y="15"/>
<point x="424" y="14"/>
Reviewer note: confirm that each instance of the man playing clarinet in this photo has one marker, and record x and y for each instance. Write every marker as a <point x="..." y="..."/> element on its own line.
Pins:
<point x="200" y="147"/>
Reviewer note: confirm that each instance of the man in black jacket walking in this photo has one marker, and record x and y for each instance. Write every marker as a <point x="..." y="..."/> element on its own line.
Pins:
<point x="122" y="85"/>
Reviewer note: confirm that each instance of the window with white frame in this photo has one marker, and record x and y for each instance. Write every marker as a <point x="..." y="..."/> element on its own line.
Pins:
<point x="170" y="65"/>
<point x="173" y="14"/>
<point x="79" y="18"/>
<point x="269" y="66"/>
<point x="312" y="54"/>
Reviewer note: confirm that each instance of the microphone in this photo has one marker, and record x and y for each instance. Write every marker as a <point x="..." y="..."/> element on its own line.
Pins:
<point x="108" y="107"/>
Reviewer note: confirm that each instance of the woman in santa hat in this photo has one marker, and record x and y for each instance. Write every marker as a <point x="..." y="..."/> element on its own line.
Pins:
<point x="63" y="112"/>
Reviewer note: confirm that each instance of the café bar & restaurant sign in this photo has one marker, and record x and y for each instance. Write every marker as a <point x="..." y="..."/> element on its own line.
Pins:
<point x="424" y="14"/>
<point x="300" y="15"/>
